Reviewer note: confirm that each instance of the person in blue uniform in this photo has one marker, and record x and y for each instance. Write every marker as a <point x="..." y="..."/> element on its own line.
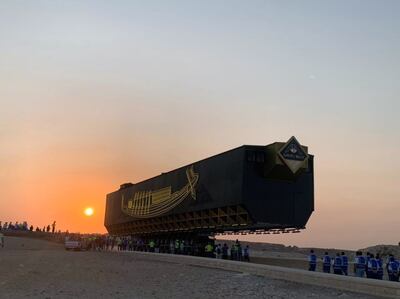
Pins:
<point x="337" y="264"/>
<point x="326" y="263"/>
<point x="312" y="261"/>
<point x="225" y="249"/>
<point x="367" y="259"/>
<point x="359" y="264"/>
<point x="372" y="267"/>
<point x="246" y="254"/>
<point x="345" y="263"/>
<point x="393" y="268"/>
<point x="379" y="274"/>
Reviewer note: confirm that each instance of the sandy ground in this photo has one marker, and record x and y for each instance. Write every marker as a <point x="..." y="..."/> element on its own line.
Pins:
<point x="39" y="269"/>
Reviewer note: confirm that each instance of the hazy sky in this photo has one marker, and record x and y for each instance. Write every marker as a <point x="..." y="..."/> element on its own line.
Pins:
<point x="97" y="93"/>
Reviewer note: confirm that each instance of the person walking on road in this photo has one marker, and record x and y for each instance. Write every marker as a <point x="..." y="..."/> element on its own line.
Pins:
<point x="53" y="227"/>
<point x="372" y="267"/>
<point x="326" y="263"/>
<point x="345" y="263"/>
<point x="233" y="252"/>
<point x="379" y="273"/>
<point x="393" y="269"/>
<point x="177" y="246"/>
<point x="209" y="249"/>
<point x="312" y="261"/>
<point x="1" y="240"/>
<point x="359" y="264"/>
<point x="152" y="245"/>
<point x="225" y="249"/>
<point x="246" y="254"/>
<point x="367" y="259"/>
<point x="337" y="264"/>
<point x="218" y="251"/>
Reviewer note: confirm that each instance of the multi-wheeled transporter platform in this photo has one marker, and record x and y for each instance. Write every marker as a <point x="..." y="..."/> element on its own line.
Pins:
<point x="248" y="189"/>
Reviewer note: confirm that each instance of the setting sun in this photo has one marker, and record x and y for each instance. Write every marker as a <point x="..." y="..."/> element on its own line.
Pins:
<point x="89" y="211"/>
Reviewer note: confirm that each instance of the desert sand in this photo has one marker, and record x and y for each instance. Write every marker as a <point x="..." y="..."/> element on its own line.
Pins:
<point x="39" y="269"/>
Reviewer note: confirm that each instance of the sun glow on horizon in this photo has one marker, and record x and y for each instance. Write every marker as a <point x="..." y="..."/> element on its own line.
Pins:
<point x="89" y="212"/>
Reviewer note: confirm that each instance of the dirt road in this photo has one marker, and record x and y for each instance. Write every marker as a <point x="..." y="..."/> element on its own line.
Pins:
<point x="39" y="269"/>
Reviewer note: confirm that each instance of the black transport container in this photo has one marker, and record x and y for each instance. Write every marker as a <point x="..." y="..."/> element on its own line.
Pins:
<point x="249" y="188"/>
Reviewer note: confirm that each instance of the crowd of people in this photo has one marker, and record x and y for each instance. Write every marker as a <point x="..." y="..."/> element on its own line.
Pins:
<point x="23" y="226"/>
<point x="369" y="266"/>
<point x="48" y="232"/>
<point x="236" y="252"/>
<point x="185" y="246"/>
<point x="204" y="247"/>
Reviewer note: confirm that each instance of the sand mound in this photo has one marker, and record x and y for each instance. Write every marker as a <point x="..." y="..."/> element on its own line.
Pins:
<point x="383" y="250"/>
<point x="15" y="243"/>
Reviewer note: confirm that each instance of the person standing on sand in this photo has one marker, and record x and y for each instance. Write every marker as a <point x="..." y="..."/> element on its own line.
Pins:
<point x="379" y="274"/>
<point x="359" y="264"/>
<point x="240" y="252"/>
<point x="393" y="268"/>
<point x="225" y="249"/>
<point x="345" y="263"/>
<point x="367" y="272"/>
<point x="218" y="251"/>
<point x="209" y="249"/>
<point x="233" y="252"/>
<point x="326" y="263"/>
<point x="312" y="261"/>
<point x="337" y="264"/>
<point x="372" y="267"/>
<point x="246" y="253"/>
<point x="1" y="240"/>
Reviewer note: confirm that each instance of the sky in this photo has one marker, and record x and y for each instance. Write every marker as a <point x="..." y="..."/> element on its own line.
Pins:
<point x="97" y="93"/>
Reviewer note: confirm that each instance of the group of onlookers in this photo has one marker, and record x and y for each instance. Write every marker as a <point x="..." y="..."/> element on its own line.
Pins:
<point x="370" y="266"/>
<point x="23" y="226"/>
<point x="236" y="252"/>
<point x="204" y="247"/>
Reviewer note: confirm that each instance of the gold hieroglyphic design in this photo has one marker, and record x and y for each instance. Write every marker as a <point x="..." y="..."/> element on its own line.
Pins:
<point x="151" y="203"/>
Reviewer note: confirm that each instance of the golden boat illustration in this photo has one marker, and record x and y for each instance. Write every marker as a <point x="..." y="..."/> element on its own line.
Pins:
<point x="146" y="204"/>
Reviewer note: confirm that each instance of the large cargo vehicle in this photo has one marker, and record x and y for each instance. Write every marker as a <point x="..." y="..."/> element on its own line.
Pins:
<point x="248" y="189"/>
